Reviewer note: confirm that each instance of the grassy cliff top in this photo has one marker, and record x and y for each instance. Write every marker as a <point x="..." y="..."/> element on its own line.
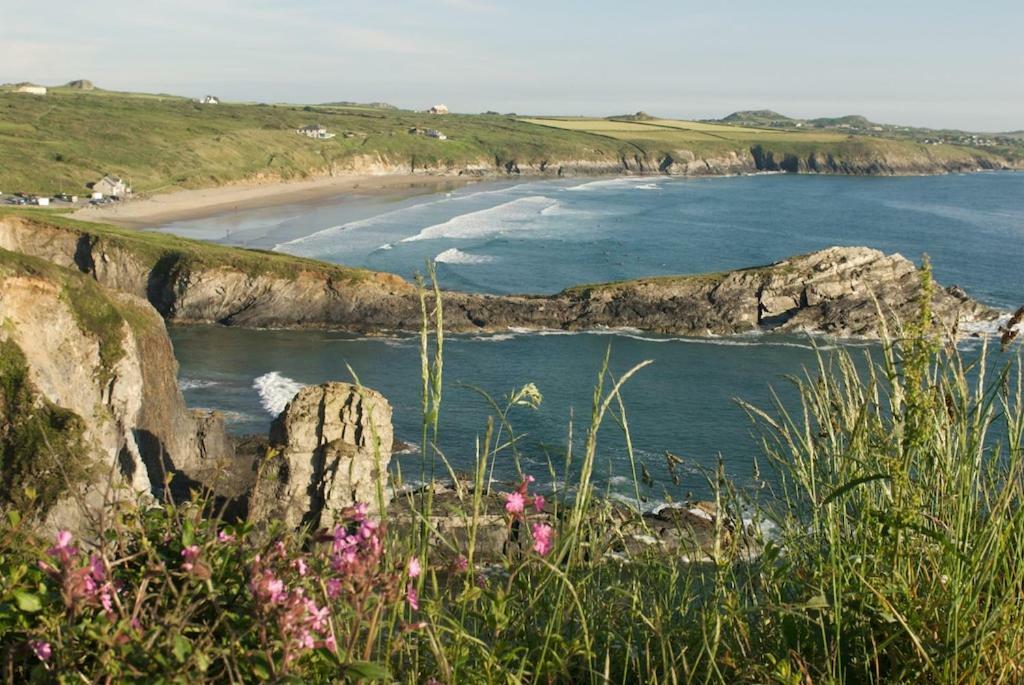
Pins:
<point x="70" y="137"/>
<point x="150" y="248"/>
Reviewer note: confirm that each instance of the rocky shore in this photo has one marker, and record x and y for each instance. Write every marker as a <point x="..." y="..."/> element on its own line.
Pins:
<point x="840" y="291"/>
<point x="93" y="413"/>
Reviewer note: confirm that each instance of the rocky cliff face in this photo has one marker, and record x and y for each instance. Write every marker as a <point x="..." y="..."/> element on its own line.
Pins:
<point x="91" y="407"/>
<point x="842" y="158"/>
<point x="329" y="448"/>
<point x="832" y="291"/>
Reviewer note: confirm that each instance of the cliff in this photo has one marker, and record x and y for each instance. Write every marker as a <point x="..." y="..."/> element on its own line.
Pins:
<point x="838" y="291"/>
<point x="90" y="406"/>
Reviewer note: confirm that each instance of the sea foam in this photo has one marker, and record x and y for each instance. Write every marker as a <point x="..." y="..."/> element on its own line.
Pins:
<point x="276" y="391"/>
<point x="516" y="214"/>
<point x="457" y="256"/>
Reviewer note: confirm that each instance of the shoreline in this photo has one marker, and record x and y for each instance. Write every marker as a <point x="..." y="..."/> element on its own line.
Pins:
<point x="155" y="211"/>
<point x="181" y="205"/>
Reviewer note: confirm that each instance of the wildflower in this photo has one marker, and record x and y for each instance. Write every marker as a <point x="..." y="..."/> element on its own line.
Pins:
<point x="330" y="644"/>
<point x="301" y="566"/>
<point x="63" y="550"/>
<point x="514" y="503"/>
<point x="542" y="533"/>
<point x="411" y="597"/>
<point x="333" y="587"/>
<point x="538" y="503"/>
<point x="225" y="537"/>
<point x="414" y="567"/>
<point x="460" y="564"/>
<point x="268" y="587"/>
<point x="41" y="649"/>
<point x="189" y="554"/>
<point x="359" y="513"/>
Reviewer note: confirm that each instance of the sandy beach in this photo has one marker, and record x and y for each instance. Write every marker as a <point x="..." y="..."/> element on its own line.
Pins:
<point x="156" y="210"/>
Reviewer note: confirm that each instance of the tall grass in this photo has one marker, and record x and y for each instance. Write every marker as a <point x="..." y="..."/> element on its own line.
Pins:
<point x="885" y="545"/>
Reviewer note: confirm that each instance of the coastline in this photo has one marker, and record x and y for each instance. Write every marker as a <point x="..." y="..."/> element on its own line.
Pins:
<point x="180" y="205"/>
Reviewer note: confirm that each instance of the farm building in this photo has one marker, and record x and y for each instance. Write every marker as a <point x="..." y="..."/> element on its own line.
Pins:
<point x="30" y="88"/>
<point x="315" y="131"/>
<point x="438" y="109"/>
<point x="210" y="100"/>
<point x="111" y="186"/>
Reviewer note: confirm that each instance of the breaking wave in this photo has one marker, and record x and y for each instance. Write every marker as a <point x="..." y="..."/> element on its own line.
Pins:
<point x="276" y="391"/>
<point x="512" y="215"/>
<point x="457" y="256"/>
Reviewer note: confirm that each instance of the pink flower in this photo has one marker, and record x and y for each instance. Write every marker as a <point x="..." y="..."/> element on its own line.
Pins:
<point x="515" y="503"/>
<point x="542" y="533"/>
<point x="538" y="503"/>
<point x="411" y="597"/>
<point x="41" y="649"/>
<point x="63" y="549"/>
<point x="414" y="567"/>
<point x="97" y="568"/>
<point x="301" y="566"/>
<point x="359" y="512"/>
<point x="268" y="588"/>
<point x="333" y="587"/>
<point x="330" y="644"/>
<point x="189" y="554"/>
<point x="225" y="537"/>
<point x="461" y="564"/>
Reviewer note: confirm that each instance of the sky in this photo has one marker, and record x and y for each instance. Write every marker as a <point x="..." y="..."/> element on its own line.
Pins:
<point x="937" y="64"/>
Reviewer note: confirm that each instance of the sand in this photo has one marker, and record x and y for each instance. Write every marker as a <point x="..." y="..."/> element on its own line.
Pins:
<point x="181" y="205"/>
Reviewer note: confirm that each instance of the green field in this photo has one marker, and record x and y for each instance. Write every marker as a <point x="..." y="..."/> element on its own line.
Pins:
<point x="63" y="140"/>
<point x="68" y="138"/>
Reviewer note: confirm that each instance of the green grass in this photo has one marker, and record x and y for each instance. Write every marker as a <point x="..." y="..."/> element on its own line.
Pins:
<point x="895" y="484"/>
<point x="69" y="138"/>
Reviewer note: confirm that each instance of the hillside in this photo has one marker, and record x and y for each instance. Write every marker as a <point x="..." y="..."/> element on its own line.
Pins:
<point x="72" y="136"/>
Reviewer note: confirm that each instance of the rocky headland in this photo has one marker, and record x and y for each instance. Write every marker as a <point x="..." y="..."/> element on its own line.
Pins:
<point x="839" y="291"/>
<point x="93" y="413"/>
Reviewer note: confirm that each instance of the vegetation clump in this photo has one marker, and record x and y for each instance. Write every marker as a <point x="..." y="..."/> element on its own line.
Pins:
<point x="41" y="444"/>
<point x="889" y="547"/>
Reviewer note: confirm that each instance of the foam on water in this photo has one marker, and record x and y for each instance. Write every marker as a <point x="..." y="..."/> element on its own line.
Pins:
<point x="195" y="383"/>
<point x="276" y="391"/>
<point x="511" y="215"/>
<point x="456" y="256"/>
<point x="607" y="183"/>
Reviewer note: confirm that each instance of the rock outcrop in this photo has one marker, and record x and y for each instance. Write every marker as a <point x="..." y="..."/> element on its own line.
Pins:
<point x="91" y="410"/>
<point x="330" y="448"/>
<point x="839" y="291"/>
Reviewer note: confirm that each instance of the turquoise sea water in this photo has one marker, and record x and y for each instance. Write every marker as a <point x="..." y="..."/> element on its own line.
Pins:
<point x="542" y="236"/>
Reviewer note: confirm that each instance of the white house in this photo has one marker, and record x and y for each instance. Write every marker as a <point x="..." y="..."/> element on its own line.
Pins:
<point x="438" y="109"/>
<point x="111" y="186"/>
<point x="315" y="131"/>
<point x="210" y="100"/>
<point x="29" y="88"/>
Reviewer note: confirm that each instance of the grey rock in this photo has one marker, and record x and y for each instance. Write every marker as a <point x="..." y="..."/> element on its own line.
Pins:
<point x="328" y="450"/>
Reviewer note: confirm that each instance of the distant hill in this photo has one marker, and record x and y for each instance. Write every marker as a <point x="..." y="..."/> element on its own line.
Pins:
<point x="639" y="116"/>
<point x="80" y="84"/>
<point x="848" y="121"/>
<point x="757" y="117"/>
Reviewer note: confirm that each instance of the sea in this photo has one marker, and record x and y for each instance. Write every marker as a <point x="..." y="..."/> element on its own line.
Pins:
<point x="683" y="411"/>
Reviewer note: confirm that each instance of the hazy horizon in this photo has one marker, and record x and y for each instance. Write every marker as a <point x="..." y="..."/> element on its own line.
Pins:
<point x="939" y="68"/>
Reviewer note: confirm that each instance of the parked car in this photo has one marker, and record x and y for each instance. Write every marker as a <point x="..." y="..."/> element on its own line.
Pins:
<point x="17" y="201"/>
